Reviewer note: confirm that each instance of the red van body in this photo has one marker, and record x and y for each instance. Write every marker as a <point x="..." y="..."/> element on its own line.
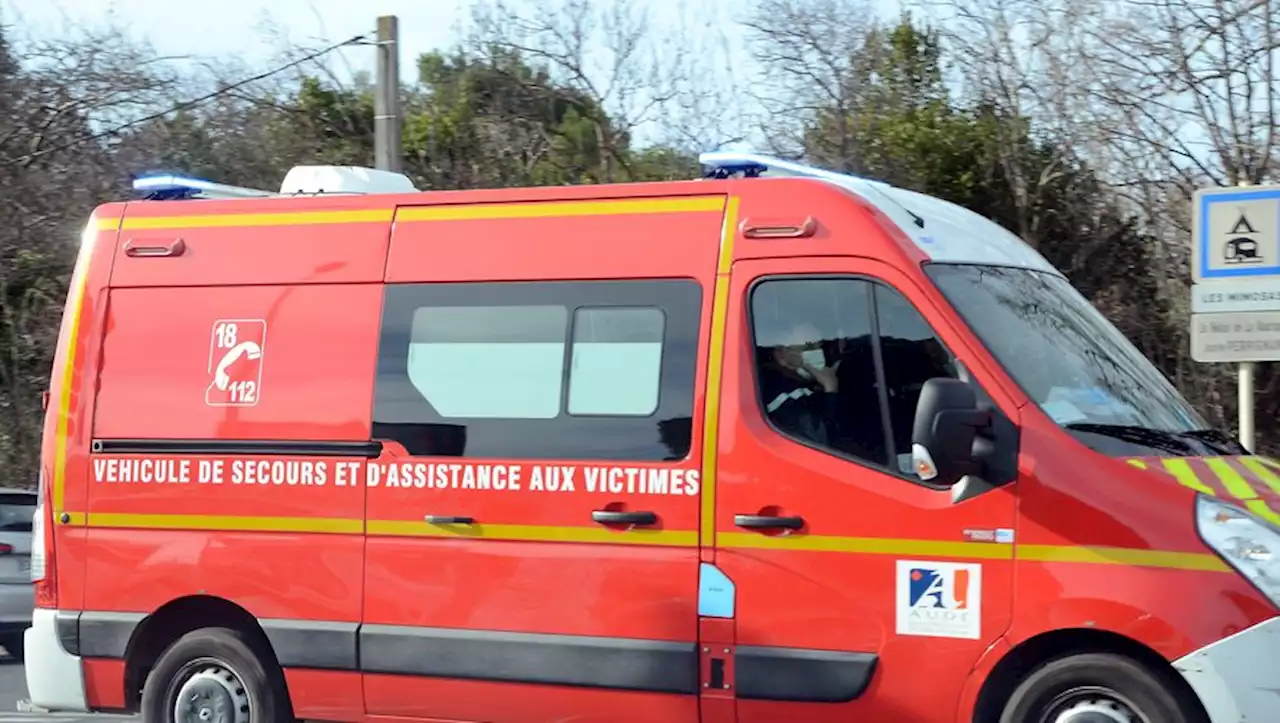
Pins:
<point x="248" y="436"/>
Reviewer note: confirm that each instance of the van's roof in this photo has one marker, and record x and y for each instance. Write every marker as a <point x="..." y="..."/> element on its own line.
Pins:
<point x="942" y="231"/>
<point x="950" y="233"/>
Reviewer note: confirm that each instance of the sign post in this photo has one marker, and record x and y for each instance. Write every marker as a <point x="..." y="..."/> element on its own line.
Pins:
<point x="1235" y="290"/>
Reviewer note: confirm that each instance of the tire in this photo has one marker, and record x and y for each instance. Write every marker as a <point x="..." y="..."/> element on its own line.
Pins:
<point x="1097" y="679"/>
<point x="219" y="669"/>
<point x="14" y="646"/>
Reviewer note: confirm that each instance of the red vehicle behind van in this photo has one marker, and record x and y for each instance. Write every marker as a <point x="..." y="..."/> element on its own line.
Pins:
<point x="775" y="444"/>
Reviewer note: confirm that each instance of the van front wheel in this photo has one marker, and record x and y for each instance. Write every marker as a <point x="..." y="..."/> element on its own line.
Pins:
<point x="212" y="676"/>
<point x="1096" y="687"/>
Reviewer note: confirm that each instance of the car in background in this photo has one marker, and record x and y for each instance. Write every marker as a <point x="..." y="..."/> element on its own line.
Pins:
<point x="17" y="507"/>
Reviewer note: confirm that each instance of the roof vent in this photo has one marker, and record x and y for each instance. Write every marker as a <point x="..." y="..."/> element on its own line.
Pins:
<point x="312" y="180"/>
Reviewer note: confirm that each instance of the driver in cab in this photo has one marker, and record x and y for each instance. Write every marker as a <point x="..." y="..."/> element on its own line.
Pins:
<point x="800" y="389"/>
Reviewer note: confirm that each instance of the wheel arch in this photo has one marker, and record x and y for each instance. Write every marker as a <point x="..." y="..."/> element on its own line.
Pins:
<point x="159" y="630"/>
<point x="1022" y="659"/>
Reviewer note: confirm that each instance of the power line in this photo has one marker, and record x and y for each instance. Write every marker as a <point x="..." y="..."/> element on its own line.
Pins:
<point x="356" y="40"/>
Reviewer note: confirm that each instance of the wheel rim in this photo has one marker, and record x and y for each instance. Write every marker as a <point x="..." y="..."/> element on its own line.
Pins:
<point x="1092" y="704"/>
<point x="210" y="691"/>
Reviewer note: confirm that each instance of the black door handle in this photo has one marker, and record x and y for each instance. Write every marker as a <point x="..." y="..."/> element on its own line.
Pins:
<point x="609" y="517"/>
<point x="768" y="522"/>
<point x="449" y="520"/>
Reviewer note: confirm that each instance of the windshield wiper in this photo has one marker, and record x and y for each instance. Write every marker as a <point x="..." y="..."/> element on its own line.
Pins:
<point x="1217" y="441"/>
<point x="1146" y="436"/>
<point x="1212" y="440"/>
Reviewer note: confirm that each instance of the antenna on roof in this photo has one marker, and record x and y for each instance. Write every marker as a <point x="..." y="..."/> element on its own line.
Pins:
<point x="723" y="164"/>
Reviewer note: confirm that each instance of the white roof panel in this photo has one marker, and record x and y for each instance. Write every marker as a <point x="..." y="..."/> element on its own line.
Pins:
<point x="343" y="179"/>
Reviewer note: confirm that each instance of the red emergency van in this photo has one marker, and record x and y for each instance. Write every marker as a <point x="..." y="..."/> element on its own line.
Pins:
<point x="776" y="444"/>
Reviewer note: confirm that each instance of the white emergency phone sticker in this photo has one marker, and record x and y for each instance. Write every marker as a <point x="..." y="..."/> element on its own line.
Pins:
<point x="236" y="351"/>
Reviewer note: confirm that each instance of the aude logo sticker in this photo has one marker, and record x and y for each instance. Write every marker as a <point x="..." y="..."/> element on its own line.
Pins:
<point x="939" y="599"/>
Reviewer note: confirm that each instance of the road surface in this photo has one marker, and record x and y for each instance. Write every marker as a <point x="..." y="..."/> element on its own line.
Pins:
<point x="13" y="688"/>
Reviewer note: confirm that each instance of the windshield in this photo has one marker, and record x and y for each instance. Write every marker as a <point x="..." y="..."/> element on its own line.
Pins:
<point x="1061" y="351"/>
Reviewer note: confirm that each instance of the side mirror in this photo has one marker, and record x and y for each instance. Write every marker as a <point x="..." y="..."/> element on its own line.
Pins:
<point x="947" y="423"/>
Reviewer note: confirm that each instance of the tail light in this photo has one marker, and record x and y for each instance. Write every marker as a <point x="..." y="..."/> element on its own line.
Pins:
<point x="42" y="565"/>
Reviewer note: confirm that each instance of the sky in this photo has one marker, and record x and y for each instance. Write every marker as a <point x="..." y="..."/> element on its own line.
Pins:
<point x="242" y="27"/>
<point x="247" y="30"/>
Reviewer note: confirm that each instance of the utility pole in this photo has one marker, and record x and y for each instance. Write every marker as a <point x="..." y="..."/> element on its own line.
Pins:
<point x="1245" y="395"/>
<point x="386" y="105"/>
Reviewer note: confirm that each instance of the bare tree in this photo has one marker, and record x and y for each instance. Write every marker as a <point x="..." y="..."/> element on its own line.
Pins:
<point x="810" y="55"/>
<point x="1014" y="57"/>
<point x="628" y="73"/>
<point x="1196" y="82"/>
<point x="1186" y="93"/>
<point x="59" y="100"/>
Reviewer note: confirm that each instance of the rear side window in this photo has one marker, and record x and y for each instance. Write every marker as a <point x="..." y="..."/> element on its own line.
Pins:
<point x="461" y="360"/>
<point x="616" y="361"/>
<point x="571" y="370"/>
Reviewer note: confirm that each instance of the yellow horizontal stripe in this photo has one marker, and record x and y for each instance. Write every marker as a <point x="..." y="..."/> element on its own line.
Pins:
<point x="553" y="209"/>
<point x="450" y="212"/>
<point x="867" y="545"/>
<point x="1123" y="556"/>
<point x="107" y="224"/>
<point x="227" y="220"/>
<point x="228" y="523"/>
<point x="978" y="550"/>
<point x="397" y="528"/>
<point x="535" y="533"/>
<point x="671" y="538"/>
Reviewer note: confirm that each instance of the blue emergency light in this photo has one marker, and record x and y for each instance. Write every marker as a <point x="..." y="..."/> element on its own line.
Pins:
<point x="723" y="164"/>
<point x="169" y="187"/>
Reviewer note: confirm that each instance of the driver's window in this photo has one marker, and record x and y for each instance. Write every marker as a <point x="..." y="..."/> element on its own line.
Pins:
<point x="840" y="364"/>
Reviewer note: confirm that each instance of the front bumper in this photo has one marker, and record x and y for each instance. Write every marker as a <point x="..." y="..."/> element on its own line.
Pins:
<point x="1236" y="677"/>
<point x="55" y="678"/>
